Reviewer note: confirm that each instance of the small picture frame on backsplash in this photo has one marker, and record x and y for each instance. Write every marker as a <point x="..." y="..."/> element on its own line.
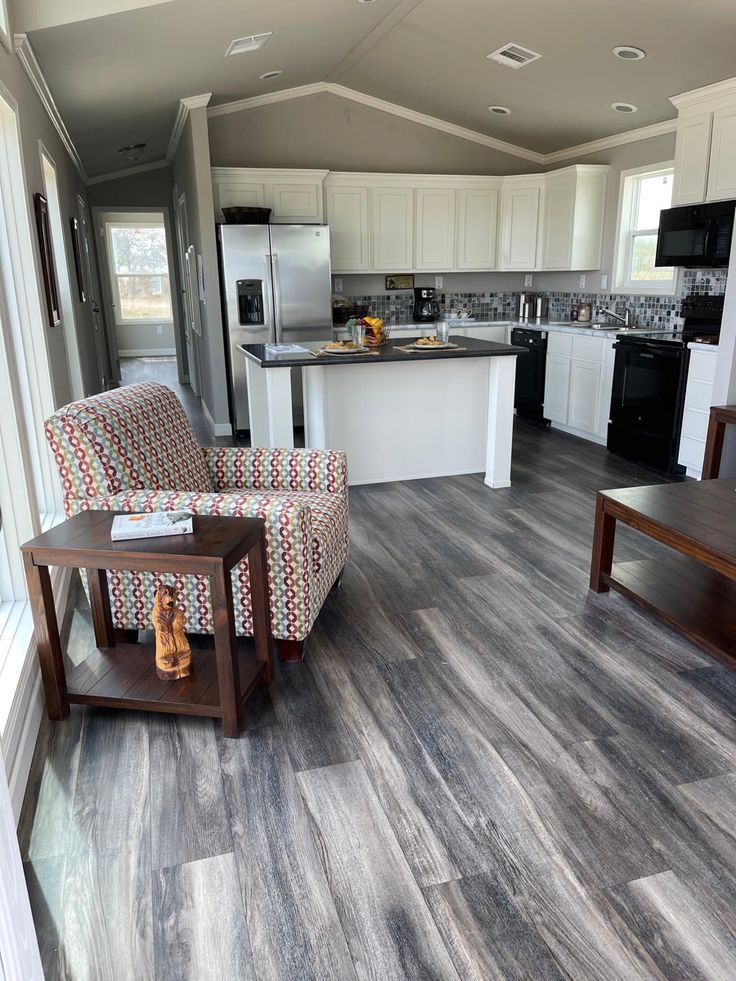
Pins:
<point x="399" y="282"/>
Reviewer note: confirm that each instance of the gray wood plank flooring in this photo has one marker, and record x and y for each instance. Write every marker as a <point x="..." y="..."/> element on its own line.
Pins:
<point x="480" y="771"/>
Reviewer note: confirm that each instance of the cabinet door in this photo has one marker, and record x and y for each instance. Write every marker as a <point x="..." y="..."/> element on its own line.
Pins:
<point x="559" y="216"/>
<point x="519" y="221"/>
<point x="434" y="248"/>
<point x="297" y="203"/>
<point x="585" y="380"/>
<point x="557" y="388"/>
<point x="692" y="152"/>
<point x="722" y="172"/>
<point x="347" y="216"/>
<point x="239" y="194"/>
<point x="477" y="219"/>
<point x="392" y="229"/>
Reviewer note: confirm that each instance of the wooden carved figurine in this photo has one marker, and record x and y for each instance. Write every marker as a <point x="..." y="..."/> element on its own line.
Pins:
<point x="173" y="654"/>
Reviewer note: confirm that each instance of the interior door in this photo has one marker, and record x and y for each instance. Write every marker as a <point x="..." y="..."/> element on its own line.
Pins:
<point x="102" y="355"/>
<point x="182" y="242"/>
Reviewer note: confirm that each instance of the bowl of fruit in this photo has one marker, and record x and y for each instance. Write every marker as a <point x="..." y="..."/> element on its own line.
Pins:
<point x="375" y="329"/>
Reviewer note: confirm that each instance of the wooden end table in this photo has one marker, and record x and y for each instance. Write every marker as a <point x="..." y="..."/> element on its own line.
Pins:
<point x="720" y="417"/>
<point x="119" y="675"/>
<point x="692" y="589"/>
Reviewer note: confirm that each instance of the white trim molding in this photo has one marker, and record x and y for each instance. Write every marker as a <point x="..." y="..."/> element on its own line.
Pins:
<point x="27" y="58"/>
<point x="216" y="428"/>
<point x="114" y="175"/>
<point x="148" y="352"/>
<point x="705" y="94"/>
<point x="185" y="107"/>
<point x="443" y="125"/>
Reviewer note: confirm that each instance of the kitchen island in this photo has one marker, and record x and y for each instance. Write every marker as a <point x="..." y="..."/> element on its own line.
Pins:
<point x="399" y="415"/>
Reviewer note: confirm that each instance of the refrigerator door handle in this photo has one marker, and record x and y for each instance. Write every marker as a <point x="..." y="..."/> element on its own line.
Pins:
<point x="277" y="297"/>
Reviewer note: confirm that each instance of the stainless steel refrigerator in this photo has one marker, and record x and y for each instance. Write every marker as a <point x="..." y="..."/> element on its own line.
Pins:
<point x="276" y="289"/>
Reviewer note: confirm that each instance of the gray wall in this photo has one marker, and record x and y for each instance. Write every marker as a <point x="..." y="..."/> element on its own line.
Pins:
<point x="35" y="125"/>
<point x="192" y="175"/>
<point x="327" y="131"/>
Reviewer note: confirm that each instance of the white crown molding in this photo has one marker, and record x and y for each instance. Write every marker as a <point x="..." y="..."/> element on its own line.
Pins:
<point x="707" y="93"/>
<point x="185" y="107"/>
<point x="128" y="172"/>
<point x="618" y="139"/>
<point x="27" y="58"/>
<point x="318" y="88"/>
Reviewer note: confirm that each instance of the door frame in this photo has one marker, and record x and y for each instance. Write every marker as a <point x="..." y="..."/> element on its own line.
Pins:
<point x="99" y="212"/>
<point x="92" y="285"/>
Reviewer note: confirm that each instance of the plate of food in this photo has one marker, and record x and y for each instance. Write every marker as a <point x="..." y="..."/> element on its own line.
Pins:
<point x="430" y="344"/>
<point x="343" y="347"/>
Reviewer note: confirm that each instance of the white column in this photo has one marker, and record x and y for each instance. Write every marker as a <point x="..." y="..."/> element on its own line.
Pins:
<point x="19" y="956"/>
<point x="269" y="405"/>
<point x="315" y="407"/>
<point x="501" y="382"/>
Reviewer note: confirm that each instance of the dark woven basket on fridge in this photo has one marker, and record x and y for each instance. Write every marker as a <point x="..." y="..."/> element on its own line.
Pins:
<point x="247" y="216"/>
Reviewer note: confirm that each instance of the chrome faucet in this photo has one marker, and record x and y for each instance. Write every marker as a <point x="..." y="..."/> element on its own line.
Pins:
<point x="625" y="320"/>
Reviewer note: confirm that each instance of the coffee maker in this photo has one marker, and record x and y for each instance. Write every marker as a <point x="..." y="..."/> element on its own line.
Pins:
<point x="426" y="305"/>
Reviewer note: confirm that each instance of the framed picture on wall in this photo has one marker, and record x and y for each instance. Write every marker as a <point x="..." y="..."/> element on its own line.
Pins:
<point x="399" y="282"/>
<point x="50" y="287"/>
<point x="77" y="252"/>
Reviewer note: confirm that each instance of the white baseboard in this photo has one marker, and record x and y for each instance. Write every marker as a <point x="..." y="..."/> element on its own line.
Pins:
<point x="216" y="428"/>
<point x="143" y="352"/>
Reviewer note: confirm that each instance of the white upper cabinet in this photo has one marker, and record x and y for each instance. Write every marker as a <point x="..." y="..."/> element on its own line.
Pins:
<point x="476" y="228"/>
<point x="347" y="213"/>
<point x="692" y="153"/>
<point x="434" y="247"/>
<point x="392" y="228"/>
<point x="572" y="228"/>
<point x="294" y="196"/>
<point x="521" y="200"/>
<point x="722" y="171"/>
<point x="705" y="151"/>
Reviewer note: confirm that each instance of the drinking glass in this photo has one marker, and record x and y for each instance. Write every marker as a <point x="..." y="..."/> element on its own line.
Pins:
<point x="443" y="331"/>
<point x="359" y="334"/>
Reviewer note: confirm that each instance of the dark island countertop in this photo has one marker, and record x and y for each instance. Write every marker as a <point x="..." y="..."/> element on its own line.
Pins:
<point x="468" y="347"/>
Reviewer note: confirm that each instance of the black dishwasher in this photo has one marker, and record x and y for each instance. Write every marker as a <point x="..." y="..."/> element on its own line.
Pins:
<point x="530" y="371"/>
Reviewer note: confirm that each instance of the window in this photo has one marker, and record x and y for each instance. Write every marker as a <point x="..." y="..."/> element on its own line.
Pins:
<point x="4" y="25"/>
<point x="139" y="270"/>
<point x="644" y="193"/>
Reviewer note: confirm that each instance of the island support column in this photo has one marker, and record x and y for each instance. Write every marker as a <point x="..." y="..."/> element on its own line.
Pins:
<point x="269" y="405"/>
<point x="501" y="383"/>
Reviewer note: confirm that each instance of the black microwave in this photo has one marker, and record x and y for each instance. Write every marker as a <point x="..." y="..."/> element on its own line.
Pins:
<point x="696" y="235"/>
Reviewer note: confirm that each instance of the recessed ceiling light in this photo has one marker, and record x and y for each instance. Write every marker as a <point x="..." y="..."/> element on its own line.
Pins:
<point x="133" y="151"/>
<point x="274" y="74"/>
<point x="365" y="1"/>
<point x="627" y="53"/>
<point x="500" y="110"/>
<point x="251" y="43"/>
<point x="624" y="107"/>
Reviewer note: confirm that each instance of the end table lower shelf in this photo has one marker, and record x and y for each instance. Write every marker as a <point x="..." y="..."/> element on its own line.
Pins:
<point x="124" y="677"/>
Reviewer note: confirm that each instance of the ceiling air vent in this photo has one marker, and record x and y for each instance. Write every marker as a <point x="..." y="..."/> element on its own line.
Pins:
<point x="242" y="44"/>
<point x="513" y="55"/>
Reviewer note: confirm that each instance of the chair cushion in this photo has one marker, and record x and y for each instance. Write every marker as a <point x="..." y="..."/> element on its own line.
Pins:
<point x="132" y="438"/>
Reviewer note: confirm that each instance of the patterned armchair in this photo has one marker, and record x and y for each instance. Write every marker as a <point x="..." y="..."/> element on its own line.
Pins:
<point x="133" y="449"/>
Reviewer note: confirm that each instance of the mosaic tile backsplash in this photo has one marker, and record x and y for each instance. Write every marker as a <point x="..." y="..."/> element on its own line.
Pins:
<point x="649" y="311"/>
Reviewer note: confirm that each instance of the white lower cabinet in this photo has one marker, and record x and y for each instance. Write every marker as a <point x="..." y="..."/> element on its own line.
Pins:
<point x="579" y="378"/>
<point x="698" y="399"/>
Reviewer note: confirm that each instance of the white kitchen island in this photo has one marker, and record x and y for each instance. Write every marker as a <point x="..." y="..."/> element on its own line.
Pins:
<point x="399" y="415"/>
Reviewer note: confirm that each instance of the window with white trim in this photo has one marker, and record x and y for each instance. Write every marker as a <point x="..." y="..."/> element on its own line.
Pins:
<point x="645" y="191"/>
<point x="139" y="271"/>
<point x="5" y="26"/>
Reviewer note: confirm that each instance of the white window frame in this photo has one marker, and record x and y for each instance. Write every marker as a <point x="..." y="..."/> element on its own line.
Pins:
<point x="628" y="199"/>
<point x="135" y="221"/>
<point x="5" y="32"/>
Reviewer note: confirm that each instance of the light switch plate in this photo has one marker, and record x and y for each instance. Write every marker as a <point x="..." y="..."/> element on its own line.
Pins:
<point x="528" y="279"/>
<point x="338" y="284"/>
<point x="438" y="282"/>
<point x="604" y="281"/>
<point x="582" y="281"/>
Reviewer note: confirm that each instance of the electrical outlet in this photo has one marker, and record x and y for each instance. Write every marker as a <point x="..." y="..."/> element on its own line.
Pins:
<point x="338" y="284"/>
<point x="604" y="281"/>
<point x="582" y="281"/>
<point x="528" y="279"/>
<point x="160" y="329"/>
<point x="438" y="282"/>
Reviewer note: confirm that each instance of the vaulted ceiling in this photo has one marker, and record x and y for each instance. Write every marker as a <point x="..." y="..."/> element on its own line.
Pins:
<point x="117" y="68"/>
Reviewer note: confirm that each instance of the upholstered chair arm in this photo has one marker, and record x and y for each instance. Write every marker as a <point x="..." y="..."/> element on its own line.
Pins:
<point x="264" y="469"/>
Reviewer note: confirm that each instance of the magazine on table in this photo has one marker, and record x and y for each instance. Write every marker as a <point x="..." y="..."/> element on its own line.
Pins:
<point x="156" y="524"/>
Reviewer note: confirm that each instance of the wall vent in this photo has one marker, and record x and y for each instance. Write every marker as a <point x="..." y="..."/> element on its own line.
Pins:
<point x="513" y="55"/>
<point x="242" y="44"/>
